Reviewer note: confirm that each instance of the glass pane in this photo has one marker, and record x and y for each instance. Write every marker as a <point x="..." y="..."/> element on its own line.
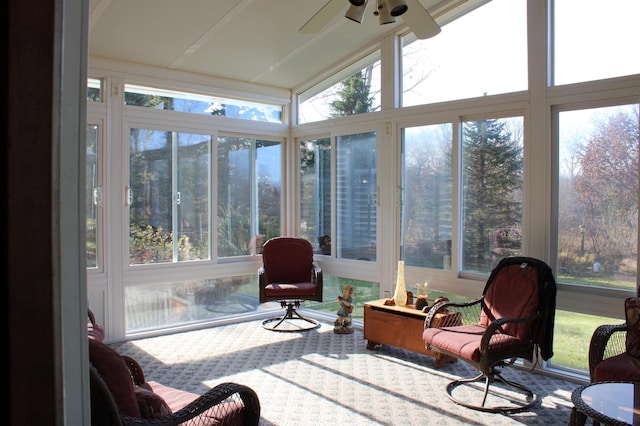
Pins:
<point x="234" y="196"/>
<point x="269" y="185"/>
<point x="356" y="196"/>
<point x="492" y="192"/>
<point x="192" y="198"/>
<point x="363" y="292"/>
<point x="150" y="213"/>
<point x="595" y="40"/>
<point x="93" y="194"/>
<point x="315" y="193"/>
<point x="167" y="166"/>
<point x="249" y="194"/>
<point x="187" y="302"/>
<point x="427" y="196"/>
<point x="598" y="196"/>
<point x="94" y="90"/>
<point x="572" y="335"/>
<point x="356" y="94"/>
<point x="151" y="97"/>
<point x="482" y="53"/>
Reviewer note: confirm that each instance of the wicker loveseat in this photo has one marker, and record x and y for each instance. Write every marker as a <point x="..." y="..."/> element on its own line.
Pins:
<point x="614" y="351"/>
<point x="120" y="395"/>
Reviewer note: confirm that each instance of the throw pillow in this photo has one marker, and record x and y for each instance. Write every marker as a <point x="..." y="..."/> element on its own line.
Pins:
<point x="115" y="373"/>
<point x="152" y="406"/>
<point x="632" y="312"/>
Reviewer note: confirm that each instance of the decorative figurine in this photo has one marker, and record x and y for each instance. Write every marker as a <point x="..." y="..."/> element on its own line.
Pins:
<point x="343" y="323"/>
<point x="422" y="300"/>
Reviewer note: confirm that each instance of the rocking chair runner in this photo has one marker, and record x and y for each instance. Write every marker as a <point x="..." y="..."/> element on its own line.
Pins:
<point x="513" y="319"/>
<point x="289" y="276"/>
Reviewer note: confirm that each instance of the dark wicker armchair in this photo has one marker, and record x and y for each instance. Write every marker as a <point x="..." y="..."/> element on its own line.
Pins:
<point x="513" y="319"/>
<point x="614" y="350"/>
<point x="116" y="399"/>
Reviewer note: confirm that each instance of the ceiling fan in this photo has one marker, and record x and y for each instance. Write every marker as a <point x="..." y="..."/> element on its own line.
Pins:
<point x="411" y="11"/>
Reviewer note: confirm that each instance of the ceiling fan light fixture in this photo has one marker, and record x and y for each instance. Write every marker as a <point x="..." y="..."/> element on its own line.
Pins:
<point x="358" y="2"/>
<point x="397" y="7"/>
<point x="355" y="13"/>
<point x="383" y="14"/>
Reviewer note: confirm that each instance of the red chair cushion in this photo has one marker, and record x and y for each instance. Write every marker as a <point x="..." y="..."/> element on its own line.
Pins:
<point x="229" y="413"/>
<point x="464" y="341"/>
<point x="286" y="290"/>
<point x="117" y="376"/>
<point x="511" y="296"/>
<point x="95" y="332"/>
<point x="621" y="367"/>
<point x="152" y="405"/>
<point x="287" y="260"/>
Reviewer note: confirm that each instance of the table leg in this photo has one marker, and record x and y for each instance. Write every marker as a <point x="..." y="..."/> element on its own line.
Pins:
<point x="577" y="418"/>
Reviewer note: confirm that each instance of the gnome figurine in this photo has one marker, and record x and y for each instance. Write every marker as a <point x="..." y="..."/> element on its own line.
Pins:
<point x="343" y="324"/>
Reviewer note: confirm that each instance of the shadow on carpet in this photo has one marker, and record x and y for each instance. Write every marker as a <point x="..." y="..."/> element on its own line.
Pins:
<point x="322" y="378"/>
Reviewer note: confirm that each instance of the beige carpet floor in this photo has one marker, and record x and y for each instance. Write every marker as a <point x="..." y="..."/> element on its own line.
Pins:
<point x="319" y="378"/>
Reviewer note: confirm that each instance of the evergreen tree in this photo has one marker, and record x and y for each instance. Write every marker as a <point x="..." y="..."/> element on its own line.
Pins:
<point x="354" y="97"/>
<point x="148" y="101"/>
<point x="492" y="182"/>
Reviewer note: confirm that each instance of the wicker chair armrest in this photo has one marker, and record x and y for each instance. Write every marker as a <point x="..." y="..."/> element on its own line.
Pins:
<point x="208" y="401"/>
<point x="496" y="326"/>
<point x="92" y="317"/>
<point x="469" y="312"/>
<point x="606" y="341"/>
<point x="136" y="370"/>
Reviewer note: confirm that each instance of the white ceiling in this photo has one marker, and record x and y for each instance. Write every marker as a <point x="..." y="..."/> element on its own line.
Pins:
<point x="248" y="40"/>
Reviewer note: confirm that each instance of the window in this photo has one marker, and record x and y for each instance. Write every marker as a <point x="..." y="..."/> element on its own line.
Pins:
<point x="169" y="196"/>
<point x="315" y="193"/>
<point x="598" y="196"/>
<point x="249" y="194"/>
<point x="94" y="90"/>
<point x="482" y="53"/>
<point x="492" y="161"/>
<point x="356" y="196"/>
<point x="153" y="306"/>
<point x="594" y="40"/>
<point x="150" y="97"/>
<point x="93" y="193"/>
<point x="427" y="196"/>
<point x="356" y="93"/>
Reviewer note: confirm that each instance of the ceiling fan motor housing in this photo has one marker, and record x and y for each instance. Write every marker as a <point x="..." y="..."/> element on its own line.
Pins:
<point x="397" y="7"/>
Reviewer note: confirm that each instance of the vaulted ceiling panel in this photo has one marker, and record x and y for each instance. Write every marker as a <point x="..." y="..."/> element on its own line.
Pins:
<point x="248" y="40"/>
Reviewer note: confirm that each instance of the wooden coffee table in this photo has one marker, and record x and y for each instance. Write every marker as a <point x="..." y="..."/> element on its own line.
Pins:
<point x="609" y="403"/>
<point x="398" y="326"/>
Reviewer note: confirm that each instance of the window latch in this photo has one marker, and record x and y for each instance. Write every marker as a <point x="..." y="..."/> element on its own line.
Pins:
<point x="97" y="196"/>
<point x="128" y="196"/>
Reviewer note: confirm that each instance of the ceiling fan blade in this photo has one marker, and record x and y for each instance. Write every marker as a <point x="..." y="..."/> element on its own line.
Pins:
<point x="420" y="21"/>
<point x="323" y="16"/>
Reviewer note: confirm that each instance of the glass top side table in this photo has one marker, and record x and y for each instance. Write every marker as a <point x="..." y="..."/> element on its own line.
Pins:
<point x="609" y="403"/>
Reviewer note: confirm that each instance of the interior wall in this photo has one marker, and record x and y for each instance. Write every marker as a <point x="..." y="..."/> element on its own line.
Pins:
<point x="31" y="373"/>
<point x="43" y="291"/>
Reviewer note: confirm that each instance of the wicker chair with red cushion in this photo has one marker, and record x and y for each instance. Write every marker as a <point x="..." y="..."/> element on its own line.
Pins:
<point x="614" y="351"/>
<point x="120" y="395"/>
<point x="289" y="276"/>
<point x="513" y="319"/>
